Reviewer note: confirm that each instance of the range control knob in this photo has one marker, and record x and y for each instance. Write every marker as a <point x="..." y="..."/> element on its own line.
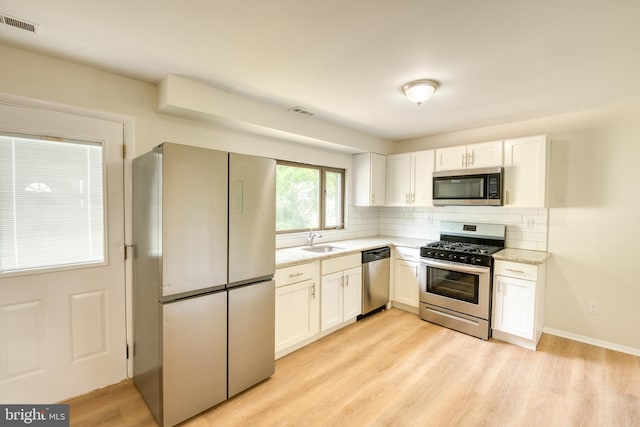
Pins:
<point x="452" y="257"/>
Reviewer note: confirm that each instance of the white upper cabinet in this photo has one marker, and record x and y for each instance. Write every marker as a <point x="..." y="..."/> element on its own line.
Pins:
<point x="409" y="178"/>
<point x="451" y="158"/>
<point x="369" y="172"/>
<point x="481" y="155"/>
<point x="525" y="171"/>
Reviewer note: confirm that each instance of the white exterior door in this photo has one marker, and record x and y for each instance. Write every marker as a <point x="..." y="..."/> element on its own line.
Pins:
<point x="62" y="328"/>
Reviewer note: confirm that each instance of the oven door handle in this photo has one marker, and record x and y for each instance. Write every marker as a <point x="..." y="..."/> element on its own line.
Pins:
<point x="456" y="267"/>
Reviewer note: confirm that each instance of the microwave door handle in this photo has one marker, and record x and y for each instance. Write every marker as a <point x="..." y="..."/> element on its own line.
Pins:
<point x="462" y="267"/>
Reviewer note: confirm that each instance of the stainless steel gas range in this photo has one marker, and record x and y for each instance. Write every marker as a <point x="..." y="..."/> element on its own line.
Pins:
<point x="456" y="276"/>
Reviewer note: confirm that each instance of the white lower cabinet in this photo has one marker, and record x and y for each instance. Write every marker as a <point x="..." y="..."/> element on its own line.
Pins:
<point x="310" y="306"/>
<point x="341" y="291"/>
<point x="341" y="297"/>
<point x="518" y="303"/>
<point x="297" y="306"/>
<point x="514" y="303"/>
<point x="405" y="293"/>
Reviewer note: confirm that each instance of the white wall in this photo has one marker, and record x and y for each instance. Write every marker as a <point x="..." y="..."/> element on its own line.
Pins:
<point x="594" y="233"/>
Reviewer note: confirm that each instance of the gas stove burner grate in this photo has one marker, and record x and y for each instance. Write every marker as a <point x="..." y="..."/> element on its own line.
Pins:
<point x="471" y="248"/>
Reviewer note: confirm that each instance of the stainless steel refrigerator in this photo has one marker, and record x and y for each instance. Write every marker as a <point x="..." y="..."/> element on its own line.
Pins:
<point x="203" y="294"/>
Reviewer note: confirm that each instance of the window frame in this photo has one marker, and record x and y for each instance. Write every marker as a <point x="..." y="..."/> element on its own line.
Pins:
<point x="322" y="203"/>
<point x="105" y="246"/>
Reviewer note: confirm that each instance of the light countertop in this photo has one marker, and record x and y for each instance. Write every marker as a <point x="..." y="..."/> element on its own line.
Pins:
<point x="292" y="256"/>
<point x="287" y="257"/>
<point x="522" y="255"/>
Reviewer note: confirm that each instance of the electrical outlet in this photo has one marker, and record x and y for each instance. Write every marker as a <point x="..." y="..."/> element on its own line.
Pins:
<point x="430" y="219"/>
<point x="529" y="223"/>
<point x="592" y="308"/>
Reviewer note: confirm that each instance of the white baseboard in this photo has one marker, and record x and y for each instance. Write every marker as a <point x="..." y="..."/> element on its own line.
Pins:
<point x="587" y="340"/>
<point x="405" y="307"/>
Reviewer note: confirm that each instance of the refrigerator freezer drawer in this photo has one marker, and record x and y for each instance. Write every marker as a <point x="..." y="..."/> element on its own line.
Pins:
<point x="194" y="349"/>
<point x="251" y="335"/>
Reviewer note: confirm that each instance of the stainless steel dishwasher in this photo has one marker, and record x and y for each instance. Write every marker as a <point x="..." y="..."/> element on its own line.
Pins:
<point x="376" y="266"/>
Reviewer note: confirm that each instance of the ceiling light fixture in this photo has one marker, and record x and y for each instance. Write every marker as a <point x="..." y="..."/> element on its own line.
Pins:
<point x="419" y="91"/>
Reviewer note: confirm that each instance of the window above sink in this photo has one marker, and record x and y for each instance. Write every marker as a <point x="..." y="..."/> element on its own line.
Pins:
<point x="309" y="197"/>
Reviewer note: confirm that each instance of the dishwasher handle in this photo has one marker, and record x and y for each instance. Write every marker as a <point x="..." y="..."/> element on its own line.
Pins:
<point x="376" y="254"/>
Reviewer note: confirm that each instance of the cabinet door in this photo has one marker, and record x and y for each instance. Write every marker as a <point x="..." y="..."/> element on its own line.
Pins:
<point x="451" y="158"/>
<point x="369" y="179"/>
<point x="514" y="303"/>
<point x="331" y="295"/>
<point x="484" y="155"/>
<point x="378" y="179"/>
<point x="422" y="165"/>
<point x="525" y="168"/>
<point x="406" y="283"/>
<point x="352" y="298"/>
<point x="398" y="179"/>
<point x="297" y="313"/>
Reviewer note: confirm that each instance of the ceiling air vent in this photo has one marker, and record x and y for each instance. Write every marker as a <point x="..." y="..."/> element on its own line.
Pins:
<point x="18" y="23"/>
<point x="301" y="110"/>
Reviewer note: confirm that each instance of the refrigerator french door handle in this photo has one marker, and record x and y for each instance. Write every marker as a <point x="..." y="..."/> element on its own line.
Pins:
<point x="239" y="196"/>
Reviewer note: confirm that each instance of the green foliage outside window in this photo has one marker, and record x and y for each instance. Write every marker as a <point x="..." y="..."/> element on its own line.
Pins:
<point x="299" y="205"/>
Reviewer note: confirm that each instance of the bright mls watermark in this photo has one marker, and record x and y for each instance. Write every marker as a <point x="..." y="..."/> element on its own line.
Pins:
<point x="34" y="415"/>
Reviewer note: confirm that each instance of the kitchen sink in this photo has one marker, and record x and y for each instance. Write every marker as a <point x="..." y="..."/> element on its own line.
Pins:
<point x="323" y="248"/>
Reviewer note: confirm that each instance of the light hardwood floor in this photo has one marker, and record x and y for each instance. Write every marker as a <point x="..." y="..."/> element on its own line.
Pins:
<point x="393" y="369"/>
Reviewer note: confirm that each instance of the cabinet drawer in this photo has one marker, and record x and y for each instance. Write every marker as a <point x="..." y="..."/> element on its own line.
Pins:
<point x="409" y="254"/>
<point x="346" y="262"/>
<point x="294" y="274"/>
<point x="516" y="269"/>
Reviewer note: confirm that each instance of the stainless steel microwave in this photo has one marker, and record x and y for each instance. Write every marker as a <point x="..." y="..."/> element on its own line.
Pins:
<point x="474" y="187"/>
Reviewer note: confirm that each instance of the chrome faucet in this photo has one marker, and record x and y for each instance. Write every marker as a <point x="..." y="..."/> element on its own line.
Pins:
<point x="312" y="236"/>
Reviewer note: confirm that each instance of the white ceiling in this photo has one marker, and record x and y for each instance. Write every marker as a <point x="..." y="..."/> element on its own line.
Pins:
<point x="345" y="60"/>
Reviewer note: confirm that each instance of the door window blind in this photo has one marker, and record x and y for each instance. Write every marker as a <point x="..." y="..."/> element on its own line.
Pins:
<point x="51" y="203"/>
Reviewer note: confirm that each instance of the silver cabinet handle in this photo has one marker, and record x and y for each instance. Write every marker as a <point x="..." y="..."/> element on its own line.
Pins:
<point x="470" y="159"/>
<point x="417" y="274"/>
<point x="464" y="159"/>
<point x="313" y="290"/>
<point x="296" y="275"/>
<point x="515" y="271"/>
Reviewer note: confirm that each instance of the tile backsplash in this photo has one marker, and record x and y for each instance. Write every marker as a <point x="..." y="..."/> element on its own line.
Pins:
<point x="362" y="222"/>
<point x="526" y="228"/>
